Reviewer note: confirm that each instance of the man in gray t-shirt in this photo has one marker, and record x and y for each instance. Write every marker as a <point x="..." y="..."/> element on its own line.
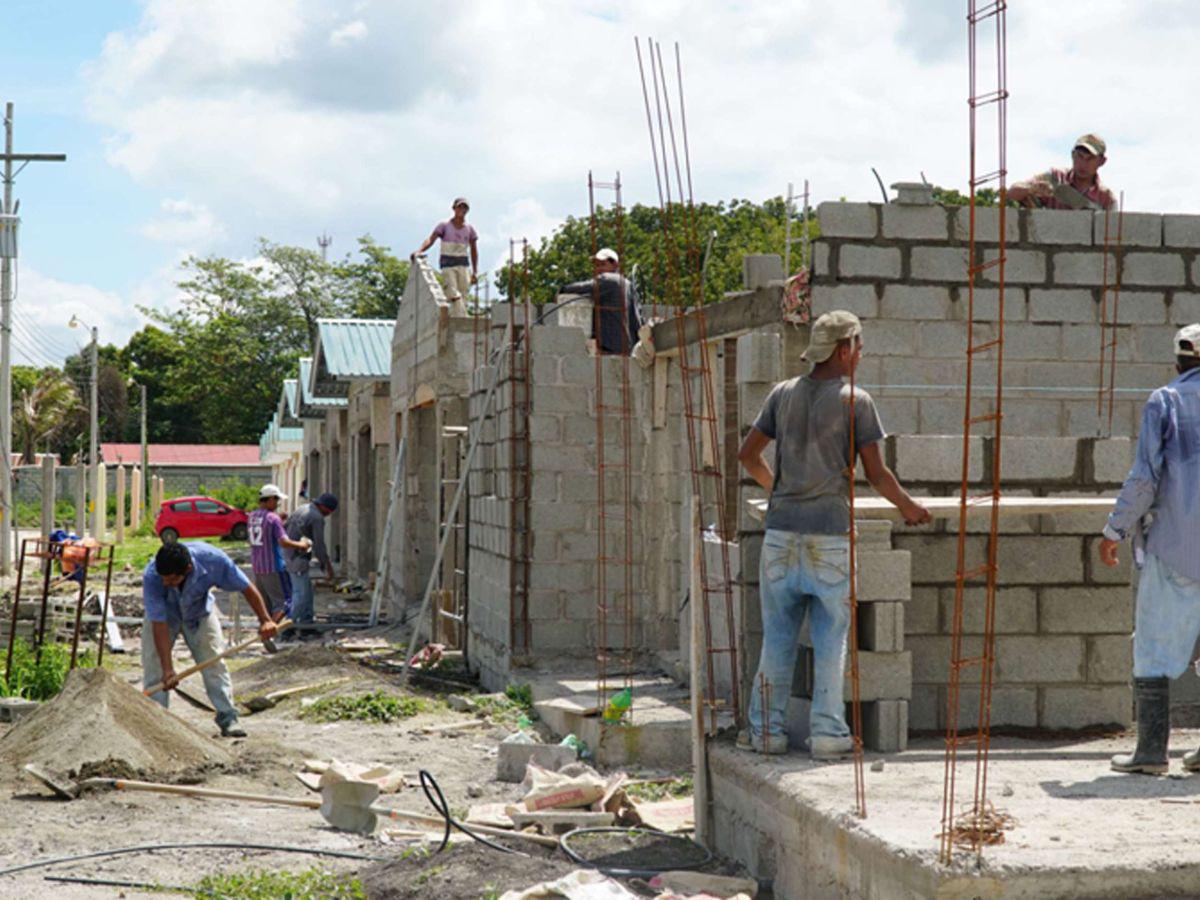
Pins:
<point x="805" y="561"/>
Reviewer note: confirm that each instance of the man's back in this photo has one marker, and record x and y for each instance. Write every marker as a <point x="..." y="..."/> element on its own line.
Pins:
<point x="1175" y="534"/>
<point x="306" y="522"/>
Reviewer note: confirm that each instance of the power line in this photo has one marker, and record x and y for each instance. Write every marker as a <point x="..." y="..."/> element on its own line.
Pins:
<point x="52" y="350"/>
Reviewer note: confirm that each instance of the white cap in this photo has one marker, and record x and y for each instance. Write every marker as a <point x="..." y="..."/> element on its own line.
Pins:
<point x="1187" y="341"/>
<point x="268" y="491"/>
<point x="606" y="254"/>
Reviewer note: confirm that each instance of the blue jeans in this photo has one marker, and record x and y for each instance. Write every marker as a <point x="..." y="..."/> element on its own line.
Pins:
<point x="204" y="641"/>
<point x="1167" y="621"/>
<point x="799" y="575"/>
<point x="302" y="598"/>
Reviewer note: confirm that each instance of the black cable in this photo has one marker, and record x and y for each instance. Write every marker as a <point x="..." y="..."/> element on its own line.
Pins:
<point x="615" y="872"/>
<point x="112" y="882"/>
<point x="194" y="845"/>
<point x="428" y="782"/>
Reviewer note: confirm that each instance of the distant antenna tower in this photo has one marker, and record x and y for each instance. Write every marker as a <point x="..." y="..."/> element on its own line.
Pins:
<point x="323" y="242"/>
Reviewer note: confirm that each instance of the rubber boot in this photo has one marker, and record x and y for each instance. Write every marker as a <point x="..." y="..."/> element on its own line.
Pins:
<point x="1191" y="761"/>
<point x="1154" y="727"/>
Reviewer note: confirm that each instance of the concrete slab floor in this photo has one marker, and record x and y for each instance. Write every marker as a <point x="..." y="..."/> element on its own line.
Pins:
<point x="1080" y="829"/>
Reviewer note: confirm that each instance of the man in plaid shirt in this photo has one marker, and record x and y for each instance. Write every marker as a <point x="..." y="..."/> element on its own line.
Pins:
<point x="1086" y="158"/>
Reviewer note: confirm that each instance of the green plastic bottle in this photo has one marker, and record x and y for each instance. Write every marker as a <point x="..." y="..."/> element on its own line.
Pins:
<point x="618" y="705"/>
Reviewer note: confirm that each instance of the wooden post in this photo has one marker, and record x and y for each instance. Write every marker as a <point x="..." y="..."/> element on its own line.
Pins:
<point x="80" y="499"/>
<point x="120" y="504"/>
<point x="100" y="512"/>
<point x="136" y="499"/>
<point x="48" y="494"/>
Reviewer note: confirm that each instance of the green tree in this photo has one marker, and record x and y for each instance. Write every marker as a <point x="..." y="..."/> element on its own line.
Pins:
<point x="42" y="412"/>
<point x="371" y="287"/>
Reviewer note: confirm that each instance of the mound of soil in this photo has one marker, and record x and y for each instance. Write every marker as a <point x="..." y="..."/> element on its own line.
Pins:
<point x="101" y="725"/>
<point x="462" y="871"/>
<point x="296" y="666"/>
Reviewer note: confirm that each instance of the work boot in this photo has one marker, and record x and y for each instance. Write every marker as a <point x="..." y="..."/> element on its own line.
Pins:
<point x="232" y="730"/>
<point x="776" y="743"/>
<point x="829" y="747"/>
<point x="1153" y="729"/>
<point x="1191" y="761"/>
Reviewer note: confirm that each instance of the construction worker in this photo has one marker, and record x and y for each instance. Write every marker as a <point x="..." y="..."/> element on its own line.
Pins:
<point x="267" y="537"/>
<point x="1087" y="157"/>
<point x="804" y="566"/>
<point x="308" y="522"/>
<point x="617" y="312"/>
<point x="1165" y="481"/>
<point x="459" y="259"/>
<point x="177" y="595"/>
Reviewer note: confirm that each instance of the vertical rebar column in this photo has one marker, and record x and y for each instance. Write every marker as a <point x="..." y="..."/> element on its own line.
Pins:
<point x="519" y="451"/>
<point x="1112" y="368"/>
<point x="860" y="783"/>
<point x="975" y="827"/>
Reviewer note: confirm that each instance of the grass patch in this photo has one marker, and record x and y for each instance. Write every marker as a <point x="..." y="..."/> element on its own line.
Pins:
<point x="40" y="679"/>
<point x="653" y="792"/>
<point x="311" y="884"/>
<point x="517" y="700"/>
<point x="140" y="549"/>
<point x="379" y="707"/>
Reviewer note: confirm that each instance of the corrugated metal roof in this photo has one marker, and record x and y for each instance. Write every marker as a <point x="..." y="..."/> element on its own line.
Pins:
<point x="306" y="394"/>
<point x="291" y="398"/>
<point x="349" y="349"/>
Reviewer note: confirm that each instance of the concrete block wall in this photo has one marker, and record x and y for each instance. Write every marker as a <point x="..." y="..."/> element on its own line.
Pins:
<point x="903" y="270"/>
<point x="1063" y="621"/>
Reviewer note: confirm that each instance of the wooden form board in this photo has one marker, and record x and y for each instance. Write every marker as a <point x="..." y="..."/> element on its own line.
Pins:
<point x="947" y="507"/>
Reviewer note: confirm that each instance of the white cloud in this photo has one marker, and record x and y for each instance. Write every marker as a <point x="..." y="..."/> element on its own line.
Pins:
<point x="44" y="307"/>
<point x="189" y="226"/>
<point x="350" y="33"/>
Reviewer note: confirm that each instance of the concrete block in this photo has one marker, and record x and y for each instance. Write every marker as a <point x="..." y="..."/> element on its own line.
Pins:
<point x="1181" y="231"/>
<point x="987" y="224"/>
<point x="938" y="458"/>
<point x="859" y="299"/>
<point x="759" y="358"/>
<point x="1110" y="658"/>
<point x="1059" y="226"/>
<point x="939" y="340"/>
<point x="873" y="534"/>
<point x="1024" y="659"/>
<point x="1112" y="458"/>
<point x="1086" y="610"/>
<point x="945" y="368"/>
<point x="1028" y="340"/>
<point x="925" y="708"/>
<point x="1140" y="308"/>
<point x="1038" y="458"/>
<point x="1041" y="559"/>
<point x="1082" y="341"/>
<point x="917" y="223"/>
<point x="760" y="269"/>
<point x="885" y="725"/>
<point x="881" y="627"/>
<point x="1153" y="268"/>
<point x="939" y="264"/>
<point x="1084" y="268"/>
<point x="512" y="759"/>
<point x="903" y="301"/>
<point x="987" y="304"/>
<point x="1059" y="305"/>
<point x="900" y="415"/>
<point x="931" y="658"/>
<point x="1020" y="267"/>
<point x="866" y="261"/>
<point x="558" y="339"/>
<point x="885" y="575"/>
<point x="1058" y="374"/>
<point x="883" y="676"/>
<point x="848" y="220"/>
<point x="1016" y="610"/>
<point x="13" y="709"/>
<point x="1082" y="706"/>
<point x="934" y="556"/>
<point x="1137" y="229"/>
<point x="1184" y="308"/>
<point x="922" y="613"/>
<point x="1015" y="707"/>
<point x="820" y="259"/>
<point x="1098" y="573"/>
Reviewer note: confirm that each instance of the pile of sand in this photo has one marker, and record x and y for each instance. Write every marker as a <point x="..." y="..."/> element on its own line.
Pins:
<point x="299" y="665"/>
<point x="101" y="725"/>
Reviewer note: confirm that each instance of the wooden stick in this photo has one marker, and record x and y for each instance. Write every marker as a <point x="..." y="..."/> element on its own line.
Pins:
<point x="228" y="651"/>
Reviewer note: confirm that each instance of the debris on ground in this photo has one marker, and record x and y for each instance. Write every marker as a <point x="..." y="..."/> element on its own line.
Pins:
<point x="571" y="787"/>
<point x="521" y="749"/>
<point x="670" y="816"/>
<point x="582" y="884"/>
<point x="464" y="870"/>
<point x="389" y="780"/>
<point x="98" y="721"/>
<point x="690" y="884"/>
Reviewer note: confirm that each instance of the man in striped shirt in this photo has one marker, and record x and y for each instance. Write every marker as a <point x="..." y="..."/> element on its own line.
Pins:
<point x="459" y="258"/>
<point x="1078" y="187"/>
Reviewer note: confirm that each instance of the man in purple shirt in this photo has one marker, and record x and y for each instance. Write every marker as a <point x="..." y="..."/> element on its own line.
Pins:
<point x="459" y="259"/>
<point x="267" y="540"/>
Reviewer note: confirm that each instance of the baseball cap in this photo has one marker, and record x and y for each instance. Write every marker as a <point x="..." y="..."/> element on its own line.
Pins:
<point x="329" y="501"/>
<point x="606" y="254"/>
<point x="460" y="201"/>
<point x="831" y="327"/>
<point x="268" y="491"/>
<point x="1091" y="143"/>
<point x="1187" y="341"/>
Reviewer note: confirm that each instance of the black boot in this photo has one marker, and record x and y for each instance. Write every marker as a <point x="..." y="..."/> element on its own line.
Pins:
<point x="1154" y="727"/>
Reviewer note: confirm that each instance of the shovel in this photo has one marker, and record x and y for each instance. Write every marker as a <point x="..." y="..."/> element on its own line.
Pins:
<point x="228" y="651"/>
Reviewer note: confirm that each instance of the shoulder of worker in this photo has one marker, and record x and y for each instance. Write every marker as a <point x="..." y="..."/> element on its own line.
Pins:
<point x="860" y="394"/>
<point x="204" y="552"/>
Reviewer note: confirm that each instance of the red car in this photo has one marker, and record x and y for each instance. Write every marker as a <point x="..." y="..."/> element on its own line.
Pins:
<point x="193" y="517"/>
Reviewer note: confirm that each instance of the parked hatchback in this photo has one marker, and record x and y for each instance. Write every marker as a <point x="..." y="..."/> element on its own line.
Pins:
<point x="193" y="517"/>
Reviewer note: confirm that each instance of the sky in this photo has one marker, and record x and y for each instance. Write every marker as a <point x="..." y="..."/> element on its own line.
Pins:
<point x="195" y="128"/>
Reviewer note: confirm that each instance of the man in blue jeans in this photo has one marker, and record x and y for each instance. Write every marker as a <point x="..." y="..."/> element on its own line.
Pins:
<point x="307" y="522"/>
<point x="1164" y="482"/>
<point x="805" y="563"/>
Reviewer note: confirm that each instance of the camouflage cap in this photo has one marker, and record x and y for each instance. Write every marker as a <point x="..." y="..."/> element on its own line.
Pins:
<point x="1092" y="143"/>
<point x="831" y="327"/>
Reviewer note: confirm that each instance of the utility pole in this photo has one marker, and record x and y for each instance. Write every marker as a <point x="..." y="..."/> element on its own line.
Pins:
<point x="145" y="449"/>
<point x="323" y="241"/>
<point x="94" y="456"/>
<point x="7" y="517"/>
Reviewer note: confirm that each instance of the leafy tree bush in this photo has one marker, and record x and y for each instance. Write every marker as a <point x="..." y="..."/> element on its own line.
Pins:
<point x="42" y="679"/>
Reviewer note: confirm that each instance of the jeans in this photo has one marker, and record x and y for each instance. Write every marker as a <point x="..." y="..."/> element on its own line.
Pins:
<point x="302" y="598"/>
<point x="1167" y="621"/>
<point x="204" y="641"/>
<point x="799" y="575"/>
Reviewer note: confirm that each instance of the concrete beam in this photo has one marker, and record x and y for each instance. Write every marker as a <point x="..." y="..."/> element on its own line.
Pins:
<point x="737" y="315"/>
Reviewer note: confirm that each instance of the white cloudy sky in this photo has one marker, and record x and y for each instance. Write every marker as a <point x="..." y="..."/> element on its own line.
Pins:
<point x="195" y="127"/>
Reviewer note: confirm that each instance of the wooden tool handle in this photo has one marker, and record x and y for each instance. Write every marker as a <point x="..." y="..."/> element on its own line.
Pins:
<point x="228" y="651"/>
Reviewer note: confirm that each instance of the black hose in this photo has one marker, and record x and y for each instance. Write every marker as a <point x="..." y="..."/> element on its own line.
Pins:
<point x="430" y="786"/>
<point x="194" y="845"/>
<point x="615" y="872"/>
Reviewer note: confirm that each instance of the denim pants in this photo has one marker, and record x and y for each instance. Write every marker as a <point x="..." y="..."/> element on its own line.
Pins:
<point x="204" y="641"/>
<point x="302" y="598"/>
<point x="799" y="575"/>
<point x="1167" y="621"/>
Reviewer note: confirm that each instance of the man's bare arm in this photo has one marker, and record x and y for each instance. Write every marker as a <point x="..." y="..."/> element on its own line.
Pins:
<point x="425" y="246"/>
<point x="162" y="646"/>
<point x="884" y="481"/>
<point x="474" y="261"/>
<point x="266" y="625"/>
<point x="750" y="455"/>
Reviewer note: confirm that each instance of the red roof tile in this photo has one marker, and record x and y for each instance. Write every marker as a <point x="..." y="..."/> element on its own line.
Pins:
<point x="184" y="454"/>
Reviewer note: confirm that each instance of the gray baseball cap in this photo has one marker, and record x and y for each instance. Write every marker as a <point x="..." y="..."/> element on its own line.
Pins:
<point x="831" y="327"/>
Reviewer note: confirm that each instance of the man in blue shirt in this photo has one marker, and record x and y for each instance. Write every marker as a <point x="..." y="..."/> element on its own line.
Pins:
<point x="1164" y="484"/>
<point x="177" y="596"/>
